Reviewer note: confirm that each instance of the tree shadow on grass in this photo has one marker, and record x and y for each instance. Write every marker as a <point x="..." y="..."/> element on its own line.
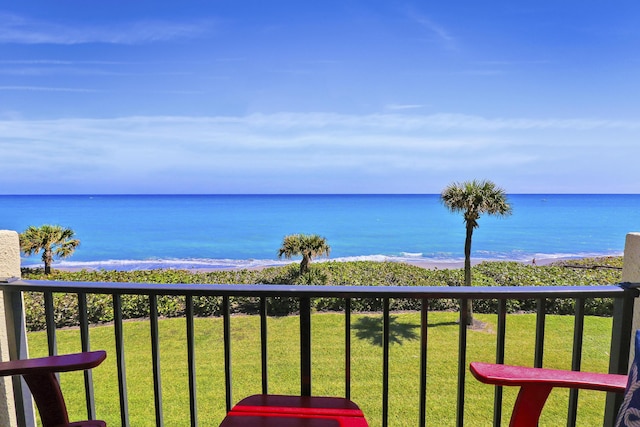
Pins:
<point x="370" y="328"/>
<point x="433" y="325"/>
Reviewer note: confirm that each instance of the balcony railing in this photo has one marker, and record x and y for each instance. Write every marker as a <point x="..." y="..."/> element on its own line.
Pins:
<point x="622" y="296"/>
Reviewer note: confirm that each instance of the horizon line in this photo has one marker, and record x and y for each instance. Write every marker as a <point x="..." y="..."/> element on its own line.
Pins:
<point x="299" y="194"/>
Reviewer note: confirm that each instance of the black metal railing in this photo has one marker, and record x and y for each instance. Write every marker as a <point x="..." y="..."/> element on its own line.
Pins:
<point x="622" y="296"/>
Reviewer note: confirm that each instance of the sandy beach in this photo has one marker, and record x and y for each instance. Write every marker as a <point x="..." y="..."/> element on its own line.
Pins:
<point x="430" y="265"/>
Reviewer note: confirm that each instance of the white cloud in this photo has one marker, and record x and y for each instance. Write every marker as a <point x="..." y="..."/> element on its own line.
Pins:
<point x="437" y="31"/>
<point x="249" y="148"/>
<point x="20" y="30"/>
<point x="400" y="107"/>
<point x="204" y="127"/>
<point x="434" y="122"/>
<point x="294" y="130"/>
<point x="45" y="89"/>
<point x="57" y="62"/>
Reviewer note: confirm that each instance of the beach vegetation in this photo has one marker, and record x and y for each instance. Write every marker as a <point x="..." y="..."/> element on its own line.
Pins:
<point x="307" y="245"/>
<point x="51" y="240"/>
<point x="474" y="198"/>
<point x="588" y="272"/>
<point x="315" y="276"/>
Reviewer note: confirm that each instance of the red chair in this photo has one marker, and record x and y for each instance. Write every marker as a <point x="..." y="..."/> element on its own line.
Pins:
<point x="269" y="410"/>
<point x="40" y="376"/>
<point x="536" y="384"/>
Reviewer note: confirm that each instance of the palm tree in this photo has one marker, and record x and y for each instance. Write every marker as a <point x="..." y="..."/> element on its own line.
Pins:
<point x="474" y="198"/>
<point x="307" y="245"/>
<point x="52" y="240"/>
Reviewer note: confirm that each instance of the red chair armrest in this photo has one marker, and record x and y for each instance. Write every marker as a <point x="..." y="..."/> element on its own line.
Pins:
<point x="507" y="375"/>
<point x="536" y="384"/>
<point x="40" y="376"/>
<point x="63" y="363"/>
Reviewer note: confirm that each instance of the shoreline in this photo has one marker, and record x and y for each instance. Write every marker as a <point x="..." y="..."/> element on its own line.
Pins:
<point x="454" y="265"/>
<point x="426" y="264"/>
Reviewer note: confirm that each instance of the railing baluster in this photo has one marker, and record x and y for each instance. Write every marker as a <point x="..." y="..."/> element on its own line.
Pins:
<point x="305" y="346"/>
<point x="83" y="322"/>
<point x="462" y="361"/>
<point x="49" y="312"/>
<point x="422" y="420"/>
<point x="122" y="375"/>
<point x="540" y="324"/>
<point x="86" y="346"/>
<point x="263" y="345"/>
<point x="385" y="363"/>
<point x="347" y="348"/>
<point x="576" y="358"/>
<point x="226" y="320"/>
<point x="191" y="362"/>
<point x="500" y="342"/>
<point x="619" y="350"/>
<point x="155" y="358"/>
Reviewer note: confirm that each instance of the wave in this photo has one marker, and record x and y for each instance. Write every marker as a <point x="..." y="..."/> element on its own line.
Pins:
<point x="153" y="264"/>
<point x="412" y="254"/>
<point x="207" y="264"/>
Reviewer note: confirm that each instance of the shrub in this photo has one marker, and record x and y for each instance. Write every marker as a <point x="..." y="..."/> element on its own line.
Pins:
<point x="594" y="272"/>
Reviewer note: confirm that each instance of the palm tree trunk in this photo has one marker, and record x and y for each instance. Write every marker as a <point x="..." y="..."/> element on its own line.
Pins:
<point x="304" y="264"/>
<point x="467" y="272"/>
<point x="47" y="258"/>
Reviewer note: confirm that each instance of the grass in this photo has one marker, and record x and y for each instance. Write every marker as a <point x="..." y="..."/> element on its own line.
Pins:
<point x="328" y="366"/>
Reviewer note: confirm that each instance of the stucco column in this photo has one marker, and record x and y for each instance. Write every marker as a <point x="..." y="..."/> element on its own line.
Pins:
<point x="631" y="274"/>
<point x="9" y="269"/>
<point x="631" y="268"/>
<point x="9" y="254"/>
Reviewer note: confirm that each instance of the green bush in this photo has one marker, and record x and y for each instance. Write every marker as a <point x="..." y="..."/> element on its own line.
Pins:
<point x="598" y="271"/>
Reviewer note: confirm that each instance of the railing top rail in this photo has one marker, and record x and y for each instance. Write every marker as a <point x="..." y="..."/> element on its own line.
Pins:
<point x="474" y="292"/>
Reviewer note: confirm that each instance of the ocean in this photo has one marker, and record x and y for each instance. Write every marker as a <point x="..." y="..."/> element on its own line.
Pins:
<point x="127" y="232"/>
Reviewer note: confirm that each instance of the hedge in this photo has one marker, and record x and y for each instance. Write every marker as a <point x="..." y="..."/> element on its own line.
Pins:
<point x="595" y="271"/>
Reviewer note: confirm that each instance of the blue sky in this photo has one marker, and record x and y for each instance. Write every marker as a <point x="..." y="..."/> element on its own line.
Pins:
<point x="360" y="96"/>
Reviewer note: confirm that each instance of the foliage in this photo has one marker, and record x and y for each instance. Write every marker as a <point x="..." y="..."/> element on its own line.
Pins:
<point x="307" y="245"/>
<point x="52" y="240"/>
<point x="360" y="273"/>
<point x="474" y="198"/>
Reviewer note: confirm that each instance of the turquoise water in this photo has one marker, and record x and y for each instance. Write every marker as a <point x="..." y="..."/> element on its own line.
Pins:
<point x="217" y="231"/>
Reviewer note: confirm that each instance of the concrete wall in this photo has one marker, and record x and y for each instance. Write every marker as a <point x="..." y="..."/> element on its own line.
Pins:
<point x="631" y="274"/>
<point x="9" y="254"/>
<point x="631" y="269"/>
<point x="9" y="268"/>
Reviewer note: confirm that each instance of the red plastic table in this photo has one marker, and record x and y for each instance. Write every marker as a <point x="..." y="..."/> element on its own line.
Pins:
<point x="295" y="411"/>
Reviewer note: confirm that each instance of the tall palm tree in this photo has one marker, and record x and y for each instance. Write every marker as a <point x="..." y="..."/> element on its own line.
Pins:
<point x="307" y="245"/>
<point x="52" y="240"/>
<point x="474" y="198"/>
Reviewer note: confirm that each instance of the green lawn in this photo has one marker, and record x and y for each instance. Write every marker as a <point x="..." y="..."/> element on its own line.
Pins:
<point x="328" y="366"/>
